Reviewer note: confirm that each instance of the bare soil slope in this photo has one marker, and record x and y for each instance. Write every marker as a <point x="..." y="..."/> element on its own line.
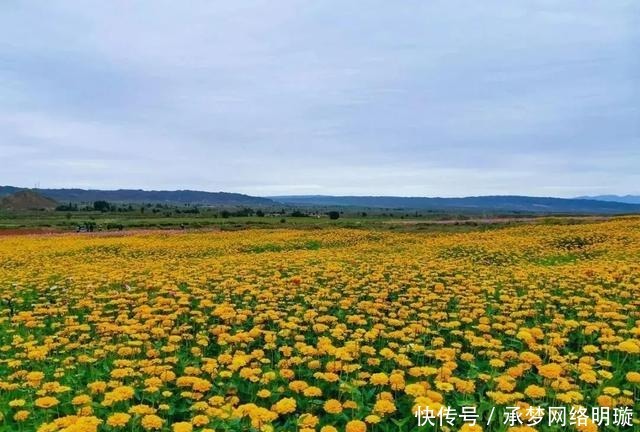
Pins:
<point x="27" y="200"/>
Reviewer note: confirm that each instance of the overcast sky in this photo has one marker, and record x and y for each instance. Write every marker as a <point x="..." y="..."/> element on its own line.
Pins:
<point x="425" y="98"/>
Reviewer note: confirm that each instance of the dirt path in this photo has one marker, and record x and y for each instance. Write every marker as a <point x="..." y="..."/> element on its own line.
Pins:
<point x="29" y="231"/>
<point x="135" y="231"/>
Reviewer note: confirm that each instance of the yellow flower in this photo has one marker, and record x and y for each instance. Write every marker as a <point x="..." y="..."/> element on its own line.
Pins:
<point x="333" y="406"/>
<point x="200" y="420"/>
<point x="182" y="427"/>
<point x="444" y="386"/>
<point x="151" y="422"/>
<point x="633" y="377"/>
<point x="97" y="387"/>
<point x="46" y="402"/>
<point x="372" y="419"/>
<point x="531" y="358"/>
<point x="264" y="319"/>
<point x="589" y="427"/>
<point x="356" y="426"/>
<point x="17" y="403"/>
<point x="81" y="400"/>
<point x="118" y="419"/>
<point x="589" y="377"/>
<point x="415" y="390"/>
<point x="142" y="409"/>
<point x="629" y="346"/>
<point x="349" y="404"/>
<point x="312" y="392"/>
<point x="284" y="406"/>
<point x="298" y="386"/>
<point x="263" y="393"/>
<point x="570" y="397"/>
<point x="119" y="394"/>
<point x="611" y="391"/>
<point x="383" y="407"/>
<point x="379" y="379"/>
<point x="605" y="401"/>
<point x="551" y="370"/>
<point x="34" y="378"/>
<point x="468" y="357"/>
<point x="535" y="392"/>
<point x="21" y="415"/>
<point x="469" y="428"/>
<point x="397" y="381"/>
<point x="496" y="363"/>
<point x="308" y="421"/>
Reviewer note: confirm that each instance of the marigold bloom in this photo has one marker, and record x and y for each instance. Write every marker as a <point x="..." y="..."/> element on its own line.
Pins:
<point x="471" y="428"/>
<point x="312" y="392"/>
<point x="151" y="422"/>
<point x="611" y="391"/>
<point x="118" y="419"/>
<point x="200" y="420"/>
<point x="356" y="426"/>
<point x="284" y="406"/>
<point x="182" y="427"/>
<point x="253" y="327"/>
<point x="308" y="421"/>
<point x="372" y="419"/>
<point x="333" y="406"/>
<point x="46" y="402"/>
<point x="633" y="377"/>
<point x="81" y="400"/>
<point x="535" y="392"/>
<point x="629" y="346"/>
<point x="21" y="415"/>
<point x="383" y="407"/>
<point x="551" y="370"/>
<point x="379" y="379"/>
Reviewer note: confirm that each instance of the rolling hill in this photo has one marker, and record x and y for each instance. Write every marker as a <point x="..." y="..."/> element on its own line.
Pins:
<point x="474" y="204"/>
<point x="500" y="203"/>
<point x="142" y="196"/>
<point x="26" y="200"/>
<point x="629" y="199"/>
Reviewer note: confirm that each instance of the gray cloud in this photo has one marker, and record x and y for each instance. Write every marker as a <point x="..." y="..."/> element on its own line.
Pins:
<point x="413" y="98"/>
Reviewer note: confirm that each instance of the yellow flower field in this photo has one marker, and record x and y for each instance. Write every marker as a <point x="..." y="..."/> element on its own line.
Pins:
<point x="319" y="330"/>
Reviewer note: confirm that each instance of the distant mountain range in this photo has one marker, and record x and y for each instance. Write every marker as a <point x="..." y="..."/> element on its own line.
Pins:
<point x="629" y="199"/>
<point x="142" y="196"/>
<point x="495" y="204"/>
<point x="501" y="203"/>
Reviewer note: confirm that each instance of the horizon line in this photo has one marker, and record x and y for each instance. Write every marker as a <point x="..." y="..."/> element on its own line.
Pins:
<point x="584" y="197"/>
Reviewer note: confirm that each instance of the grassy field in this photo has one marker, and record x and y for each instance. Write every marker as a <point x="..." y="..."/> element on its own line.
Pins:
<point x="330" y="329"/>
<point x="50" y="221"/>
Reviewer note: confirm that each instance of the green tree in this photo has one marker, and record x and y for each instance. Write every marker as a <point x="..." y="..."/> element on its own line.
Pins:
<point x="102" y="206"/>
